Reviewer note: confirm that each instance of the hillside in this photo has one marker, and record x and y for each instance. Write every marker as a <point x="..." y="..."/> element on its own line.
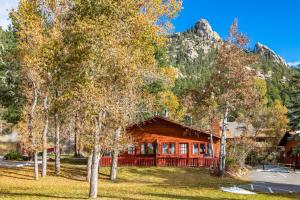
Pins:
<point x="193" y="51"/>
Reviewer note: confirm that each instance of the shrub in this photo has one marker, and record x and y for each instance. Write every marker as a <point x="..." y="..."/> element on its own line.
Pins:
<point x="13" y="155"/>
<point x="231" y="164"/>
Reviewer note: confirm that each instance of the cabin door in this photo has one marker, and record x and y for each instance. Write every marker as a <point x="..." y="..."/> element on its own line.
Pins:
<point x="183" y="150"/>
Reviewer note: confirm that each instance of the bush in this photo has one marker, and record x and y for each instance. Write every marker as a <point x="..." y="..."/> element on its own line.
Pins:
<point x="13" y="155"/>
<point x="231" y="164"/>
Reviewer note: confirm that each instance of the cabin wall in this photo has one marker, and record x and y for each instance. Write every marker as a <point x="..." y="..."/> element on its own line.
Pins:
<point x="165" y="133"/>
<point x="287" y="148"/>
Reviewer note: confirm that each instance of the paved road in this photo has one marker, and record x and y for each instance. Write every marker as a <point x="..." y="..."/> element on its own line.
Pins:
<point x="274" y="180"/>
<point x="12" y="164"/>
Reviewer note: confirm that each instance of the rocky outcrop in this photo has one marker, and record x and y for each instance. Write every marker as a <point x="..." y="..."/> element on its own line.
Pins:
<point x="266" y="52"/>
<point x="204" y="30"/>
<point x="200" y="39"/>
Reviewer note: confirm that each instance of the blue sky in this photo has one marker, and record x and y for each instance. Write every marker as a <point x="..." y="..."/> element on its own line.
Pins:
<point x="5" y="6"/>
<point x="275" y="23"/>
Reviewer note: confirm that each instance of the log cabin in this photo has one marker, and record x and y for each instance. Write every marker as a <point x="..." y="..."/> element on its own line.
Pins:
<point x="289" y="154"/>
<point x="161" y="142"/>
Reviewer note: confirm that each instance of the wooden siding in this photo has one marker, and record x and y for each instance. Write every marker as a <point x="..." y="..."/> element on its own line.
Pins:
<point x="288" y="159"/>
<point x="160" y="132"/>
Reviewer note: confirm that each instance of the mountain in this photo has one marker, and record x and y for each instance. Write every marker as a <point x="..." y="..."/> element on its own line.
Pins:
<point x="190" y="44"/>
<point x="193" y="53"/>
<point x="294" y="65"/>
<point x="266" y="52"/>
<point x="201" y="39"/>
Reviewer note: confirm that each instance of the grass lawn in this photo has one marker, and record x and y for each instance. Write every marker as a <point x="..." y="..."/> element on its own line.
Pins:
<point x="133" y="183"/>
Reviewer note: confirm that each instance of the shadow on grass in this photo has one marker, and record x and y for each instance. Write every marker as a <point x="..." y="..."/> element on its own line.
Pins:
<point x="180" y="197"/>
<point x="72" y="173"/>
<point x="14" y="194"/>
<point x="178" y="177"/>
<point x="13" y="174"/>
<point x="169" y="196"/>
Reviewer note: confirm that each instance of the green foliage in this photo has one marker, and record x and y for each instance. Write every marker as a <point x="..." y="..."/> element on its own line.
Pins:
<point x="277" y="77"/>
<point x="193" y="73"/>
<point x="294" y="104"/>
<point x="231" y="162"/>
<point x="10" y="97"/>
<point x="13" y="155"/>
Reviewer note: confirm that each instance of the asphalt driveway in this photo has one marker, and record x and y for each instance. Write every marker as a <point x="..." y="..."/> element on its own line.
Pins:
<point x="12" y="164"/>
<point x="274" y="179"/>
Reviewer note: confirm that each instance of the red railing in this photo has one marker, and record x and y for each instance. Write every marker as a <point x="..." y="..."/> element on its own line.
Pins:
<point x="160" y="161"/>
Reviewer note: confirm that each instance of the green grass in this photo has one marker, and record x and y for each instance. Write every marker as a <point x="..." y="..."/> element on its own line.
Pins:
<point x="133" y="183"/>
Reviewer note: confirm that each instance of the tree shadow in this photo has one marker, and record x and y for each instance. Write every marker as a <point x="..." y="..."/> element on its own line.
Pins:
<point x="71" y="173"/>
<point x="179" y="178"/>
<point x="11" y="172"/>
<point x="186" y="197"/>
<point x="14" y="194"/>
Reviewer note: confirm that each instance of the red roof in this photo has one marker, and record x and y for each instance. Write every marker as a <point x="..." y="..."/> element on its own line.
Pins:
<point x="158" y="118"/>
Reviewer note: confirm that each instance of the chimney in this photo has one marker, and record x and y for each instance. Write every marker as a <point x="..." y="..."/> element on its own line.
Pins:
<point x="188" y="120"/>
<point x="166" y="113"/>
<point x="216" y="126"/>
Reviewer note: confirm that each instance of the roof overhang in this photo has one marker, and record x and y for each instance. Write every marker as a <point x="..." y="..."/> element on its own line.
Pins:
<point x="158" y="118"/>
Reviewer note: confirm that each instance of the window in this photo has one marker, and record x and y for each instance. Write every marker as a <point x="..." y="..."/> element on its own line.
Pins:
<point x="260" y="139"/>
<point x="202" y="149"/>
<point x="172" y="148"/>
<point x="183" y="149"/>
<point x="131" y="150"/>
<point x="168" y="148"/>
<point x="143" y="149"/>
<point x="147" y="149"/>
<point x="165" y="149"/>
<point x="150" y="148"/>
<point x="195" y="149"/>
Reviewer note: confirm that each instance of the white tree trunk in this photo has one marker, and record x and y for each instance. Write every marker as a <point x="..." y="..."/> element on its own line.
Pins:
<point x="31" y="129"/>
<point x="115" y="154"/>
<point x="94" y="172"/>
<point x="57" y="144"/>
<point x="76" y="139"/>
<point x="223" y="143"/>
<point x="36" y="165"/>
<point x="96" y="156"/>
<point x="88" y="167"/>
<point x="212" y="145"/>
<point x="44" y="138"/>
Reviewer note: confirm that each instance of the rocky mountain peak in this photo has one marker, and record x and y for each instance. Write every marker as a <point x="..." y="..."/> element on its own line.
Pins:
<point x="266" y="52"/>
<point x="204" y="30"/>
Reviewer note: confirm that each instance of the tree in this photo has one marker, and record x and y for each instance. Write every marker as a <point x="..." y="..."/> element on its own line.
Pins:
<point x="30" y="34"/>
<point x="294" y="105"/>
<point x="11" y="98"/>
<point x="111" y="51"/>
<point x="261" y="120"/>
<point x="39" y="28"/>
<point x="227" y="89"/>
<point x="231" y="83"/>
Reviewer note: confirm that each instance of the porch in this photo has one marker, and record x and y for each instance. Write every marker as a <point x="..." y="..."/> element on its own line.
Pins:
<point x="159" y="161"/>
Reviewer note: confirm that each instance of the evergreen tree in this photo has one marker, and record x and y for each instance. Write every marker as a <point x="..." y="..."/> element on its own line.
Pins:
<point x="10" y="95"/>
<point x="294" y="105"/>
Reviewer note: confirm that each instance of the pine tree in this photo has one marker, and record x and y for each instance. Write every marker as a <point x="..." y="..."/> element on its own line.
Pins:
<point x="294" y="105"/>
<point x="10" y="95"/>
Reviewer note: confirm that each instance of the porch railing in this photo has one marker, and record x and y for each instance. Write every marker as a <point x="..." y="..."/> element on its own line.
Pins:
<point x="159" y="161"/>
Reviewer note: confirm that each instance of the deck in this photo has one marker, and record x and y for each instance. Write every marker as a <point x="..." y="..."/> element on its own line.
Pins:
<point x="159" y="161"/>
